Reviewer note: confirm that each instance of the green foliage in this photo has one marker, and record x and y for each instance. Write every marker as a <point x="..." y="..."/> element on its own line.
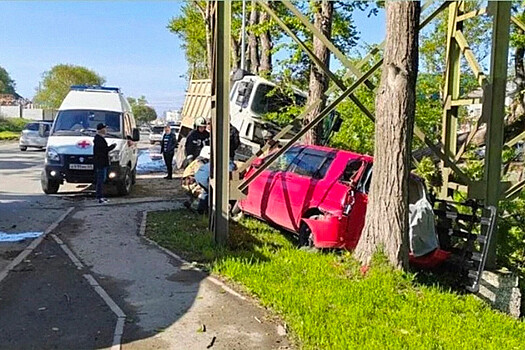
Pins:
<point x="430" y="172"/>
<point x="326" y="300"/>
<point x="141" y="111"/>
<point x="357" y="131"/>
<point x="15" y="125"/>
<point x="7" y="85"/>
<point x="511" y="231"/>
<point x="190" y="27"/>
<point x="57" y="81"/>
<point x="9" y="135"/>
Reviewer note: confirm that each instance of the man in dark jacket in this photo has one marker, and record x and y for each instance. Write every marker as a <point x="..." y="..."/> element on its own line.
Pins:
<point x="196" y="140"/>
<point x="101" y="160"/>
<point x="167" y="149"/>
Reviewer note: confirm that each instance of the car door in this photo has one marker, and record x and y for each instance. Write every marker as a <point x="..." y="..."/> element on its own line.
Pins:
<point x="356" y="200"/>
<point x="297" y="187"/>
<point x="262" y="191"/>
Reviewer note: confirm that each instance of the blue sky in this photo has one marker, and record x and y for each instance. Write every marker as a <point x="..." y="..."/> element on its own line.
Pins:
<point x="124" y="41"/>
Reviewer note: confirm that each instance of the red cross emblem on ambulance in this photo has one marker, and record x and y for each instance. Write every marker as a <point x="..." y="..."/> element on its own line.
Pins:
<point x="83" y="144"/>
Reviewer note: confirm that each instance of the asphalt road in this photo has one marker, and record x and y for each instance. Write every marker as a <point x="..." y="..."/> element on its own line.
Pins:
<point x="94" y="282"/>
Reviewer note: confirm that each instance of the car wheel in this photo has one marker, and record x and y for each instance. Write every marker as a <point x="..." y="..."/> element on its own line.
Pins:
<point x="306" y="238"/>
<point x="23" y="148"/>
<point x="124" y="186"/>
<point x="152" y="142"/>
<point x="49" y="186"/>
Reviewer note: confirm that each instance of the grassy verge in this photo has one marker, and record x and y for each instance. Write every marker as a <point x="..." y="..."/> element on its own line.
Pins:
<point x="9" y="135"/>
<point x="10" y="128"/>
<point x="325" y="300"/>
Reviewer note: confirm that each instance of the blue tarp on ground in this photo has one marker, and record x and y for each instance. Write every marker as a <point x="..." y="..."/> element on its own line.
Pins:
<point x="16" y="237"/>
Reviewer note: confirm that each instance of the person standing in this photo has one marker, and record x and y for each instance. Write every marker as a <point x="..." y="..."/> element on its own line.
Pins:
<point x="101" y="160"/>
<point x="196" y="140"/>
<point x="167" y="149"/>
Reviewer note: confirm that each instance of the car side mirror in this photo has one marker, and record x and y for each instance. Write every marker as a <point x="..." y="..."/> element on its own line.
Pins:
<point x="257" y="163"/>
<point x="41" y="130"/>
<point x="136" y="135"/>
<point x="337" y="124"/>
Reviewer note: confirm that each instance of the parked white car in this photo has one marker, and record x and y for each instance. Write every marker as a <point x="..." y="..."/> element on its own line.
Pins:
<point x="69" y="155"/>
<point x="155" y="134"/>
<point x="35" y="134"/>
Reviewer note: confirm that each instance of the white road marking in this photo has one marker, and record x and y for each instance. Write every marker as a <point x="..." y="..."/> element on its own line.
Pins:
<point x="21" y="257"/>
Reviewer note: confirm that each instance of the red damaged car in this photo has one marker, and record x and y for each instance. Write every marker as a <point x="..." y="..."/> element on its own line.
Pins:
<point x="321" y="194"/>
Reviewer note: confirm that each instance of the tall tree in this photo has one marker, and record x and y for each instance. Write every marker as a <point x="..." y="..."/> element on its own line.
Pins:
<point x="266" y="44"/>
<point x="190" y="27"/>
<point x="141" y="111"/>
<point x="7" y="85"/>
<point x="386" y="226"/>
<point x="57" y="81"/>
<point x="253" y="43"/>
<point x="323" y="14"/>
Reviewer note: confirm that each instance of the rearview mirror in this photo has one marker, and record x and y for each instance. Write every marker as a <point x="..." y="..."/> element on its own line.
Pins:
<point x="136" y="135"/>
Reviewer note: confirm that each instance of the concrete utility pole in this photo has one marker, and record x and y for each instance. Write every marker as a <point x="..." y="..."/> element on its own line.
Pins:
<point x="221" y="125"/>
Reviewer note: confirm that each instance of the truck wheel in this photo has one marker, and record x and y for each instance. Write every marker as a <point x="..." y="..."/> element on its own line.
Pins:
<point x="124" y="186"/>
<point x="23" y="148"/>
<point x="49" y="186"/>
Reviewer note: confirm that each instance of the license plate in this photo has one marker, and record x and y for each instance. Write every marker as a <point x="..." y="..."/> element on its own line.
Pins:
<point x="81" y="166"/>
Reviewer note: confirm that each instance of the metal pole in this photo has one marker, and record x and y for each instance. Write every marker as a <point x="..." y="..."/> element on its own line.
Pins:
<point x="494" y="96"/>
<point x="243" y="35"/>
<point x="451" y="92"/>
<point x="221" y="125"/>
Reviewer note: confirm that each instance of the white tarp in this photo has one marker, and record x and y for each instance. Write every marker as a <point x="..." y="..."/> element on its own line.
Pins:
<point x="422" y="232"/>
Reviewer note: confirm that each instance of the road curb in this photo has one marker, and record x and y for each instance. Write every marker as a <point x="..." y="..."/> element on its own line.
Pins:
<point x="142" y="233"/>
<point x="29" y="249"/>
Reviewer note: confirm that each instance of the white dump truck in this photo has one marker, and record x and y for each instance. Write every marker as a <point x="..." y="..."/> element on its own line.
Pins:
<point x="251" y="97"/>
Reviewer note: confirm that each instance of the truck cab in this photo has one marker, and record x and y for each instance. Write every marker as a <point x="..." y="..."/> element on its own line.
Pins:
<point x="69" y="155"/>
<point x="250" y="99"/>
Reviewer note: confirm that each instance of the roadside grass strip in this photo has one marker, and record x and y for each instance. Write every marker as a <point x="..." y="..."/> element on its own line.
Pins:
<point x="9" y="135"/>
<point x="324" y="298"/>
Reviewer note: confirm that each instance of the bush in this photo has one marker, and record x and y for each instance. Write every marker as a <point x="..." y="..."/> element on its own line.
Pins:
<point x="15" y="125"/>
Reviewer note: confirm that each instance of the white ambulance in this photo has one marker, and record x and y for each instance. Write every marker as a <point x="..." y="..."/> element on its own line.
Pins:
<point x="69" y="155"/>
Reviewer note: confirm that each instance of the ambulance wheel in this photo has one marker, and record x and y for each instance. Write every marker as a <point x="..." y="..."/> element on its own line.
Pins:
<point x="124" y="186"/>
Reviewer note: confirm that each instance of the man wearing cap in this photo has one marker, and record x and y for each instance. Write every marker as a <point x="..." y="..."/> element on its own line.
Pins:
<point x="101" y="160"/>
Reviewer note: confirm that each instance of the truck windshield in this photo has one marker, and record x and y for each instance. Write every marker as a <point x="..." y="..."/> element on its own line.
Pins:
<point x="268" y="99"/>
<point x="84" y="122"/>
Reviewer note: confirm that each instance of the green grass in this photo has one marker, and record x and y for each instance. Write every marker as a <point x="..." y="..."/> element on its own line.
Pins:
<point x="13" y="124"/>
<point x="9" y="135"/>
<point x="326" y="301"/>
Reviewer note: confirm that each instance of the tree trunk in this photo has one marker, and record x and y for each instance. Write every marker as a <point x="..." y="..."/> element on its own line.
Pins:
<point x="209" y="20"/>
<point x="252" y="40"/>
<point x="386" y="226"/>
<point x="236" y="48"/>
<point x="266" y="46"/>
<point x="323" y="13"/>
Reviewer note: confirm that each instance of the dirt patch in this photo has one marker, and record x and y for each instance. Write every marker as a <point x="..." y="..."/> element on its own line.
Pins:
<point x="155" y="185"/>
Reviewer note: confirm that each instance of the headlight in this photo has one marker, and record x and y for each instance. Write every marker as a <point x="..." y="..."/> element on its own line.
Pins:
<point x="52" y="155"/>
<point x="114" y="156"/>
